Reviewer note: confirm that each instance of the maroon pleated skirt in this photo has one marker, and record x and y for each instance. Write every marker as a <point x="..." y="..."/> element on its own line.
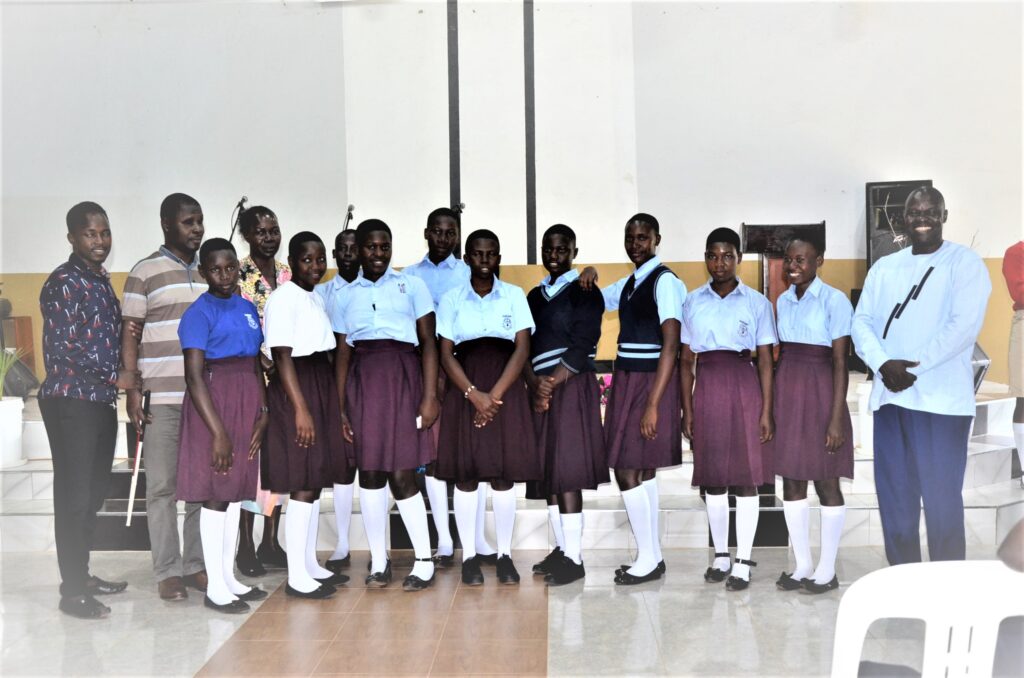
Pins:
<point x="727" y="448"/>
<point x="234" y="387"/>
<point x="504" y="449"/>
<point x="382" y="396"/>
<point x="571" y="439"/>
<point x="627" y="449"/>
<point x="803" y="407"/>
<point x="286" y="467"/>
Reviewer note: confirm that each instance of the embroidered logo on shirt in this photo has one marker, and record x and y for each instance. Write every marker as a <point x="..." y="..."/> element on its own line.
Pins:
<point x="401" y="288"/>
<point x="743" y="328"/>
<point x="252" y="321"/>
<point x="506" y="321"/>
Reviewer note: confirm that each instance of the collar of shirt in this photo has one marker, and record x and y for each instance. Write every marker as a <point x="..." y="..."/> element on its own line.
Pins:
<point x="450" y="262"/>
<point x="645" y="270"/>
<point x="814" y="289"/>
<point x="497" y="291"/>
<point x="741" y="289"/>
<point x="563" y="280"/>
<point x="80" y="264"/>
<point x="172" y="256"/>
<point x="363" y="282"/>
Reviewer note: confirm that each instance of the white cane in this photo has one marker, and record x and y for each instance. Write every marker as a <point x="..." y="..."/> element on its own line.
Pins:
<point x="139" y="435"/>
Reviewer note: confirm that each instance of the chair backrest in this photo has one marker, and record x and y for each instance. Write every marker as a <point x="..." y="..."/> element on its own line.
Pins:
<point x="961" y="602"/>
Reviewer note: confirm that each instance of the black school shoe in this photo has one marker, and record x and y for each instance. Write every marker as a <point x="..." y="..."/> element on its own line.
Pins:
<point x="565" y="571"/>
<point x="249" y="565"/>
<point x="624" y="578"/>
<point x="378" y="580"/>
<point x="83" y="607"/>
<point x="271" y="558"/>
<point x="319" y="593"/>
<point x="100" y="587"/>
<point x="737" y="583"/>
<point x="489" y="559"/>
<point x="623" y="568"/>
<point x="471" y="574"/>
<point x="548" y="562"/>
<point x="443" y="562"/>
<point x="253" y="594"/>
<point x="336" y="566"/>
<point x="414" y="583"/>
<point x="234" y="607"/>
<point x="336" y="579"/>
<point x="811" y="586"/>
<point x="716" y="576"/>
<point x="785" y="582"/>
<point x="507" y="573"/>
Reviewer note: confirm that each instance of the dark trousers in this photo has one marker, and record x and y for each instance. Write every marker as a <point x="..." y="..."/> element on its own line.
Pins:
<point x="82" y="438"/>
<point x="920" y="456"/>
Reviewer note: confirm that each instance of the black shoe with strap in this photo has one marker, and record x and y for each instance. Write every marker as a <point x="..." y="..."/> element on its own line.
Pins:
<point x="319" y="593"/>
<point x="414" y="583"/>
<point x="624" y="568"/>
<point x="252" y="595"/>
<point x="545" y="564"/>
<point x="379" y="580"/>
<point x="233" y="607"/>
<point x="811" y="586"/>
<point x="443" y="562"/>
<point x="338" y="564"/>
<point x="336" y="579"/>
<point x="785" y="582"/>
<point x="715" y="576"/>
<point x="624" y="578"/>
<point x="738" y="583"/>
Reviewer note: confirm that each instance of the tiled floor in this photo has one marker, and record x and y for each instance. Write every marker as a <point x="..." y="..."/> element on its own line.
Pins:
<point x="678" y="626"/>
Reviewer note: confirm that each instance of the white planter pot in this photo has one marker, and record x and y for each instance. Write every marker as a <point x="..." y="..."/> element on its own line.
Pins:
<point x="10" y="432"/>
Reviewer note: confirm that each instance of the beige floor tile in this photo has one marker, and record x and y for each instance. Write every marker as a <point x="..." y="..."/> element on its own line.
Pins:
<point x="408" y="657"/>
<point x="523" y="658"/>
<point x="300" y="623"/>
<point x="469" y="626"/>
<point x="386" y="625"/>
<point x="265" y="658"/>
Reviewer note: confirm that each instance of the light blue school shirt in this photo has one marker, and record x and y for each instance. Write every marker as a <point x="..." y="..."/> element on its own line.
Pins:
<point x="329" y="289"/>
<point x="927" y="308"/>
<point x="463" y="315"/>
<point x="669" y="292"/>
<point x="440" y="278"/>
<point x="385" y="309"/>
<point x="740" y="321"/>
<point x="823" y="315"/>
<point x="566" y="278"/>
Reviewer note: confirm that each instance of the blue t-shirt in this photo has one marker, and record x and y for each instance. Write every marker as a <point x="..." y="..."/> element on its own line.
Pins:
<point x="223" y="328"/>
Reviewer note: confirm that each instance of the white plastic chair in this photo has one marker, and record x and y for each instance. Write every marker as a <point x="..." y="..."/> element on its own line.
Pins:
<point x="961" y="602"/>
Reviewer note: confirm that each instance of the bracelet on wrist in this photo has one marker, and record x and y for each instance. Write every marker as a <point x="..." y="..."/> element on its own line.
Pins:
<point x="469" y="390"/>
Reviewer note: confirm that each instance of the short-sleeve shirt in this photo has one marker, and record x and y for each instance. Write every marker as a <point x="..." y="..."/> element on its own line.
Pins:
<point x="823" y="315"/>
<point x="158" y="291"/>
<point x="222" y="328"/>
<point x="463" y="315"/>
<point x="328" y="290"/>
<point x="740" y="321"/>
<point x="439" y="278"/>
<point x="387" y="308"/>
<point x="669" y="292"/>
<point x="297" y="319"/>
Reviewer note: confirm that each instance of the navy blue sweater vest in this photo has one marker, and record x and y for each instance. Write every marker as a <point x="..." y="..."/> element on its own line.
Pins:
<point x="639" y="326"/>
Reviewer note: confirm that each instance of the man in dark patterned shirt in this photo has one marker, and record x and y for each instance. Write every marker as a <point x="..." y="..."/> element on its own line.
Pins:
<point x="82" y="351"/>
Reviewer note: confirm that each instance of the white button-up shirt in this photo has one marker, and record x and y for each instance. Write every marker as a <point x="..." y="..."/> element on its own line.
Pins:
<point x="385" y="309"/>
<point x="296" y="318"/>
<point x="740" y="321"/>
<point x="464" y="315"/>
<point x="927" y="308"/>
<point x="329" y="289"/>
<point x="439" y="278"/>
<point x="823" y="315"/>
<point x="669" y="292"/>
<point x="563" y="280"/>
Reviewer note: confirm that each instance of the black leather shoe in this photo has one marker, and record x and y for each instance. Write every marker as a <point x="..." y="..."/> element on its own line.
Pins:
<point x="565" y="571"/>
<point x="319" y="593"/>
<point x="715" y="576"/>
<point x="623" y="568"/>
<point x="379" y="580"/>
<point x="507" y="571"/>
<point x="443" y="562"/>
<point x="271" y="558"/>
<point x="335" y="579"/>
<point x="83" y="607"/>
<point x="811" y="586"/>
<point x="249" y="565"/>
<point x="545" y="565"/>
<point x="234" y="607"/>
<point x="738" y="583"/>
<point x="627" y="579"/>
<point x="101" y="587"/>
<point x="253" y="594"/>
<point x="489" y="559"/>
<point x="339" y="564"/>
<point x="414" y="583"/>
<point x="785" y="582"/>
<point x="471" y="574"/>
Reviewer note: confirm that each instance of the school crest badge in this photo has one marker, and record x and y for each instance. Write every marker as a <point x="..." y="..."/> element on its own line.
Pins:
<point x="743" y="328"/>
<point x="401" y="288"/>
<point x="506" y="321"/>
<point x="252" y="321"/>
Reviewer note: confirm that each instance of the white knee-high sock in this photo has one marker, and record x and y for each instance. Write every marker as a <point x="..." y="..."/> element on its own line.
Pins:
<point x="414" y="515"/>
<point x="466" y="505"/>
<point x="718" y="523"/>
<point x="572" y="524"/>
<point x="211" y="533"/>
<point x="798" y="516"/>
<point x="231" y="519"/>
<point x="437" y="492"/>
<point x="747" y="510"/>
<point x="832" y="518"/>
<point x="504" y="505"/>
<point x="651" y="486"/>
<point x="481" y="545"/>
<point x="373" y="504"/>
<point x="296" y="534"/>
<point x="312" y="566"/>
<point x="556" y="526"/>
<point x="342" y="518"/>
<point x="638" y="510"/>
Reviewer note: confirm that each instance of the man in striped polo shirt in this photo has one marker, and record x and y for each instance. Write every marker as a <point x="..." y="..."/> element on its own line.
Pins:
<point x="156" y="294"/>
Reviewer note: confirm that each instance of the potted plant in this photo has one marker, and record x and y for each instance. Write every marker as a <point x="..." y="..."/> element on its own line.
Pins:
<point x="10" y="414"/>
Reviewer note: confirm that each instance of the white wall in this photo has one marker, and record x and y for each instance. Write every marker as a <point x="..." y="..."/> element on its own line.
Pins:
<point x="703" y="114"/>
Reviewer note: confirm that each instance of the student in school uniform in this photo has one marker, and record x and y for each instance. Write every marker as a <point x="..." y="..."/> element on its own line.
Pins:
<point x="566" y="397"/>
<point x="346" y="257"/>
<point x="223" y="419"/>
<point x="303" y="451"/>
<point x="813" y="431"/>
<point x="442" y="271"/>
<point x="727" y="416"/>
<point x="260" y="273"/>
<point x="486" y="422"/>
<point x="387" y="389"/>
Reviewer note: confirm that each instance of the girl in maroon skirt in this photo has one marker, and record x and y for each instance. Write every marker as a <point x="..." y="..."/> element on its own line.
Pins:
<point x="304" y="450"/>
<point x="566" y="397"/>
<point x="388" y="394"/>
<point x="814" y="435"/>
<point x="728" y="415"/>
<point x="223" y="418"/>
<point x="486" y="423"/>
